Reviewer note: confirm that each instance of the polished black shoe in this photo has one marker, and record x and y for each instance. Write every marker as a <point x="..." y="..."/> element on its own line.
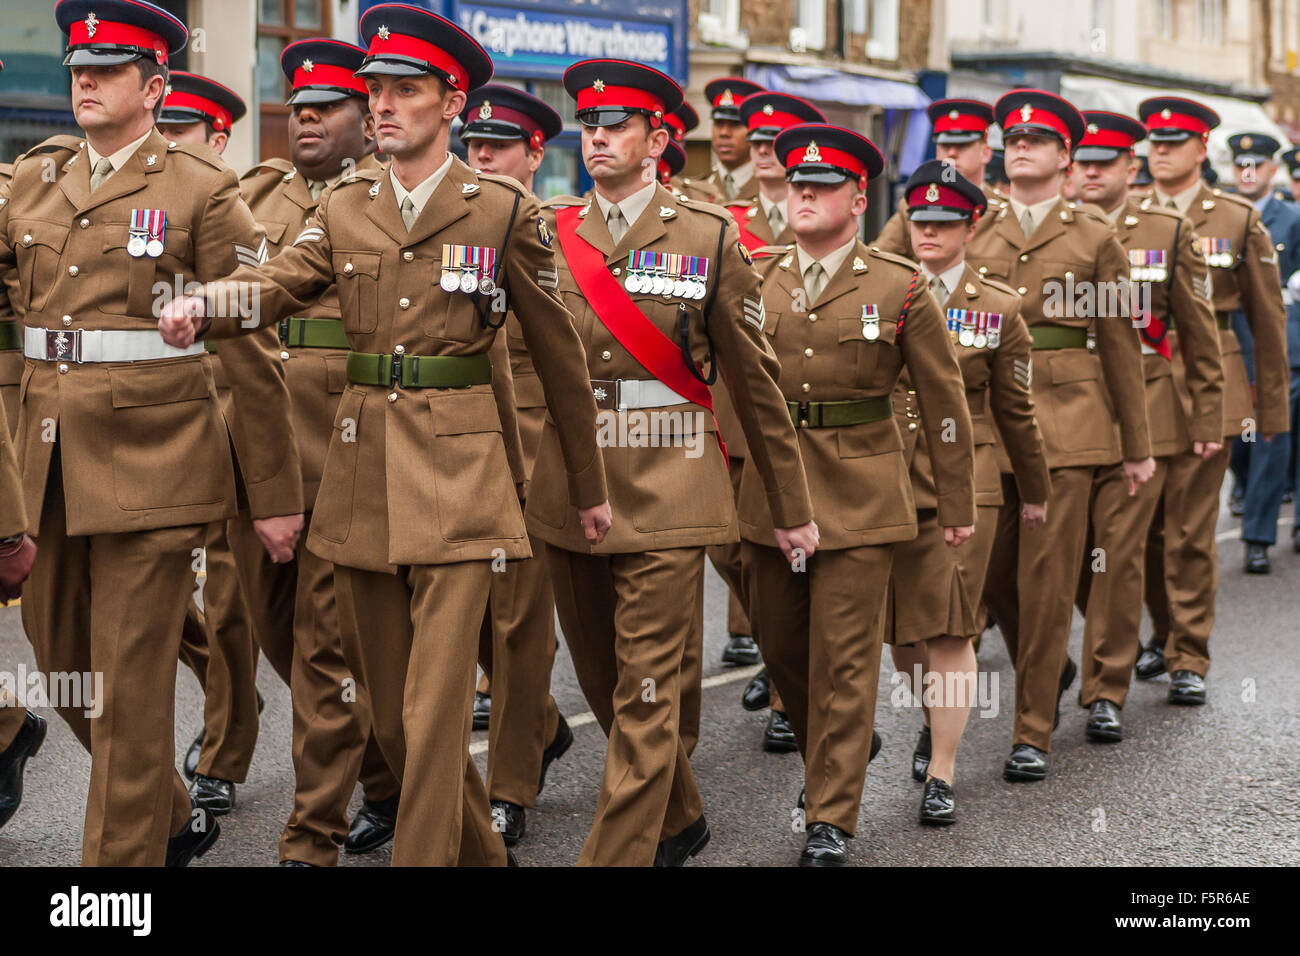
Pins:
<point x="191" y="765"/>
<point x="508" y="820"/>
<point x="213" y="793"/>
<point x="938" y="804"/>
<point x="803" y="794"/>
<point x="826" y="845"/>
<point x="778" y="738"/>
<point x="876" y="744"/>
<point x="921" y="755"/>
<point x="1026" y="763"/>
<point x="482" y="710"/>
<point x="740" y="649"/>
<point x="25" y="744"/>
<point x="1067" y="678"/>
<point x="1104" y="724"/>
<point x="373" y="825"/>
<point x="556" y="749"/>
<point x="758" y="692"/>
<point x="295" y="863"/>
<point x="1151" y="662"/>
<point x="1186" y="687"/>
<point x="1257" y="558"/>
<point x="676" y="850"/>
<point x="194" y="839"/>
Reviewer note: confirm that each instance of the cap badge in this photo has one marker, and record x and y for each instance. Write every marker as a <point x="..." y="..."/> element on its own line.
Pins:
<point x="598" y="86"/>
<point x="954" y="114"/>
<point x="485" y="111"/>
<point x="308" y="66"/>
<point x="92" y="25"/>
<point x="932" y="193"/>
<point x="727" y="99"/>
<point x="1166" y="113"/>
<point x="1093" y="129"/>
<point x="1247" y="142"/>
<point x="768" y="110"/>
<point x="384" y="33"/>
<point x="1026" y="111"/>
<point x="811" y="153"/>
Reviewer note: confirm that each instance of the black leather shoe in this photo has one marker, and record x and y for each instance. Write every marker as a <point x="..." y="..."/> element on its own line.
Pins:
<point x="779" y="736"/>
<point x="508" y="820"/>
<point x="1151" y="662"/>
<point x="194" y="839"/>
<point x="740" y="649"/>
<point x="1026" y="763"/>
<point x="1104" y="724"/>
<point x="938" y="804"/>
<point x="676" y="850"/>
<point x="827" y="845"/>
<point x="25" y="744"/>
<point x="803" y="794"/>
<point x="1257" y="558"/>
<point x="213" y="793"/>
<point x="373" y="825"/>
<point x="482" y="710"/>
<point x="876" y="744"/>
<point x="1186" y="687"/>
<point x="295" y="863"/>
<point x="191" y="765"/>
<point x="921" y="755"/>
<point x="556" y="749"/>
<point x="758" y="692"/>
<point x="1067" y="678"/>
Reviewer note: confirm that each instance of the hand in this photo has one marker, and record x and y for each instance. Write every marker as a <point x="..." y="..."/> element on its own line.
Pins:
<point x="953" y="537"/>
<point x="596" y="521"/>
<point x="180" y="320"/>
<point x="1138" y="473"/>
<point x="279" y="536"/>
<point x="521" y="489"/>
<point x="799" y="542"/>
<point x="1034" y="516"/>
<point x="14" y="568"/>
<point x="1206" y="449"/>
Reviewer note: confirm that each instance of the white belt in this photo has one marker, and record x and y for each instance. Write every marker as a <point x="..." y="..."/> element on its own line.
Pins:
<point x="85" y="345"/>
<point x="627" y="393"/>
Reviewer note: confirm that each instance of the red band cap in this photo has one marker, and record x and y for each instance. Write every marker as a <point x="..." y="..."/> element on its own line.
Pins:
<point x="116" y="34"/>
<point x="619" y="97"/>
<point x="676" y="125"/>
<point x="963" y="122"/>
<point x="824" y="154"/>
<point x="323" y="74"/>
<point x="399" y="44"/>
<point x="1171" y="120"/>
<point x="1109" y="138"/>
<point x="1037" y="116"/>
<point x="760" y="120"/>
<point x="221" y="118"/>
<point x="532" y="131"/>
<point x="934" y="194"/>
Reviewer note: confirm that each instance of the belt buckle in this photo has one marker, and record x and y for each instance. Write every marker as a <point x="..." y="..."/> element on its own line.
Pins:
<point x="395" y="369"/>
<point x="63" y="345"/>
<point x="804" y="413"/>
<point x="283" y="331"/>
<point x="607" y="393"/>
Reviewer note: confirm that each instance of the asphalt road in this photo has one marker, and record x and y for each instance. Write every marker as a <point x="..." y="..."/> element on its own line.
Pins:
<point x="1215" y="785"/>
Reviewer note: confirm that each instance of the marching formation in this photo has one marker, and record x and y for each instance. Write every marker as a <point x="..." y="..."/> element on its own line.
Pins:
<point x="403" y="414"/>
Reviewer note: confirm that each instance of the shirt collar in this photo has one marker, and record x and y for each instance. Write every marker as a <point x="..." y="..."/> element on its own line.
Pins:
<point x="830" y="262"/>
<point x="740" y="175"/>
<point x="421" y="194"/>
<point x="950" y="277"/>
<point x="1182" y="200"/>
<point x="1038" y="211"/>
<point x="118" y="159"/>
<point x="631" y="207"/>
<point x="765" y="206"/>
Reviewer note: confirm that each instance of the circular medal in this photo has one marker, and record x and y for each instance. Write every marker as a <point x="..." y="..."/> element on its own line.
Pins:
<point x="656" y="284"/>
<point x="871" y="331"/>
<point x="679" y="288"/>
<point x="670" y="285"/>
<point x="154" y="248"/>
<point x="632" y="283"/>
<point x="486" y="285"/>
<point x="449" y="282"/>
<point x="1161" y="275"/>
<point x="136" y="246"/>
<point x="966" y="337"/>
<point x="981" y="340"/>
<point x="701" y="287"/>
<point x="467" y="282"/>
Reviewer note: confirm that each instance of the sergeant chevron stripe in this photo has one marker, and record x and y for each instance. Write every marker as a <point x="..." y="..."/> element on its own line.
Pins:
<point x="249" y="256"/>
<point x="310" y="234"/>
<point x="755" y="313"/>
<point x="548" y="278"/>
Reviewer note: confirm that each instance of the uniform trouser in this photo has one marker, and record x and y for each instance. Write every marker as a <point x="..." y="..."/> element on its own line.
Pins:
<point x="296" y="624"/>
<point x="1261" y="467"/>
<point x="1293" y="471"/>
<point x="517" y="650"/>
<point x="411" y="639"/>
<point x="627" y="628"/>
<point x="1110" y="597"/>
<point x="1183" y="561"/>
<point x="218" y="645"/>
<point x="1043" y="567"/>
<point x="112" y="605"/>
<point x="821" y="632"/>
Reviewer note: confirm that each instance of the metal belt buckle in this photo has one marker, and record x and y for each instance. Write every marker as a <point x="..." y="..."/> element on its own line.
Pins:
<point x="283" y="330"/>
<point x="1090" y="341"/>
<point x="606" y="392"/>
<point x="395" y="370"/>
<point x="63" y="345"/>
<point x="804" y="415"/>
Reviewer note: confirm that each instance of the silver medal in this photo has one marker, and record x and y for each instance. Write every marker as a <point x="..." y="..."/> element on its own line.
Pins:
<point x="871" y="330"/>
<point x="467" y="282"/>
<point x="154" y="248"/>
<point x="966" y="337"/>
<point x="449" y="282"/>
<point x="632" y="283"/>
<point x="981" y="340"/>
<point x="137" y="246"/>
<point x="486" y="285"/>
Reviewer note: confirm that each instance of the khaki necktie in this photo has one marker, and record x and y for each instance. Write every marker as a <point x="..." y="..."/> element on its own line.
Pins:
<point x="1170" y="204"/>
<point x="939" y="290"/>
<point x="729" y="184"/>
<point x="776" y="220"/>
<point x="409" y="215"/>
<point x="814" y="280"/>
<point x="617" y="224"/>
<point x="103" y="169"/>
<point x="1027" y="223"/>
<point x="317" y="188"/>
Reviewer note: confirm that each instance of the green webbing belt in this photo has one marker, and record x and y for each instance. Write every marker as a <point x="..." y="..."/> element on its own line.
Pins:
<point x="1058" y="337"/>
<point x="834" y="414"/>
<point x="313" y="333"/>
<point x="418" y="371"/>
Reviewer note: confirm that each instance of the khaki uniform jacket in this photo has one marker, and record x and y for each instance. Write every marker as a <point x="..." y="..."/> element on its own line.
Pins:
<point x="1252" y="284"/>
<point x="1189" y="407"/>
<point x="1072" y="251"/>
<point x="711" y="190"/>
<point x="896" y="236"/>
<point x="997" y="393"/>
<point x="422" y="476"/>
<point x="661" y="496"/>
<point x="11" y="360"/>
<point x="143" y="445"/>
<point x="13" y="516"/>
<point x="858" y="474"/>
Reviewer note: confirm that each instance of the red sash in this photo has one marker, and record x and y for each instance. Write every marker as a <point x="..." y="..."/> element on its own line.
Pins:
<point x="657" y="353"/>
<point x="750" y="241"/>
<point x="1156" y="334"/>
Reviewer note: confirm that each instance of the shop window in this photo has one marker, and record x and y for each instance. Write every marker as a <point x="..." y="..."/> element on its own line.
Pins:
<point x="882" y="29"/>
<point x="718" y="22"/>
<point x="808" y="31"/>
<point x="279" y="23"/>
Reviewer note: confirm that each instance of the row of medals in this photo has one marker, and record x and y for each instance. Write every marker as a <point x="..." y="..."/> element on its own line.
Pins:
<point x="468" y="281"/>
<point x="659" y="283"/>
<point x="1145" y="274"/>
<point x="137" y="246"/>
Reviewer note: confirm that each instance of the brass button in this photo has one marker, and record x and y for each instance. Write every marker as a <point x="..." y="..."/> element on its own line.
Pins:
<point x="73" y="271"/>
<point x="1022" y="290"/>
<point x="911" y="391"/>
<point x="617" y="271"/>
<point x="806" y="387"/>
<point x="812" y="316"/>
<point x="408" y="256"/>
<point x="347" y="267"/>
<point x="284" y="356"/>
<point x="392" y="396"/>
<point x="911" y="426"/>
<point x="85" y="224"/>
<point x="399" y="349"/>
<point x="63" y="369"/>
<point x="67" y="320"/>
<point x="27" y="239"/>
<point x="404" y="302"/>
<point x="607" y="355"/>
<point x="1024" y="257"/>
<point x="807" y="353"/>
<point x="984" y="270"/>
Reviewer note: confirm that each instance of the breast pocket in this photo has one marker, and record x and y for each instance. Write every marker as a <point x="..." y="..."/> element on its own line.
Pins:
<point x="39" y="248"/>
<point x="859" y="357"/>
<point x="149" y="280"/>
<point x="458" y="316"/>
<point x="357" y="277"/>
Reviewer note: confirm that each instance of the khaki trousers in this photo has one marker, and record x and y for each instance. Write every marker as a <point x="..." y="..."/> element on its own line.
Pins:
<point x="112" y="605"/>
<point x="1111" y="600"/>
<point x="411" y="639"/>
<point x="821" y="631"/>
<point x="628" y="628"/>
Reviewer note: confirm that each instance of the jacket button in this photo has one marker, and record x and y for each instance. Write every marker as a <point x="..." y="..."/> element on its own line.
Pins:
<point x="984" y="270"/>
<point x="85" y="224"/>
<point x="348" y="267"/>
<point x="911" y="391"/>
<point x="812" y="316"/>
<point x="607" y="355"/>
<point x="808" y="353"/>
<point x="73" y="271"/>
<point x="408" y="256"/>
<point x="392" y="396"/>
<point x="67" y="320"/>
<point x="911" y="426"/>
<point x="404" y="302"/>
<point x="27" y="239"/>
<point x="63" y="369"/>
<point x="1024" y="257"/>
<point x="399" y="349"/>
<point x="1022" y="290"/>
<point x="284" y="356"/>
<point x="617" y="271"/>
<point x="806" y="387"/>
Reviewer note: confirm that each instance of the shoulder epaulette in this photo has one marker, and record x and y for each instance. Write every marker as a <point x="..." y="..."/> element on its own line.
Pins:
<point x="999" y="286"/>
<point x="281" y="167"/>
<point x="907" y="263"/>
<point x="699" y="205"/>
<point x="509" y="182"/>
<point x="559" y="202"/>
<point x="1092" y="212"/>
<point x="55" y="143"/>
<point x="1239" y="200"/>
<point x="1154" y="209"/>
<point x="202" y="153"/>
